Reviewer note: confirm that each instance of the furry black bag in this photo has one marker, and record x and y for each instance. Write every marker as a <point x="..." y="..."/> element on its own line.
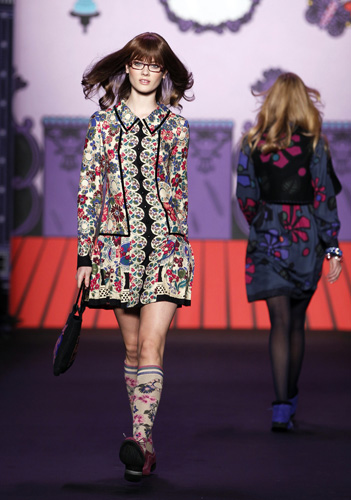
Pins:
<point x="66" y="347"/>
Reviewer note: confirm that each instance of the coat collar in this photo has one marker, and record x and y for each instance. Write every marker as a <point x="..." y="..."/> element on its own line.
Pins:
<point x="153" y="122"/>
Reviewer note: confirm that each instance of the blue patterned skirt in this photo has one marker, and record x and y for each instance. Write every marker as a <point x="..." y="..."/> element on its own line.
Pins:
<point x="284" y="252"/>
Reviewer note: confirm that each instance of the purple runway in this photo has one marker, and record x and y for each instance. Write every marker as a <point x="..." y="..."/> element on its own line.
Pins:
<point x="60" y="436"/>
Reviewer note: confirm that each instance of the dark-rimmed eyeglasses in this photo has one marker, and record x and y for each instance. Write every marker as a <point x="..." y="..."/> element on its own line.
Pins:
<point x="153" y="67"/>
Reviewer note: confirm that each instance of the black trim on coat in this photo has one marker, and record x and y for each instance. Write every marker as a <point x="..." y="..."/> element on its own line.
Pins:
<point x="122" y="182"/>
<point x="158" y="191"/>
<point x="158" y="126"/>
<point x="121" y="122"/>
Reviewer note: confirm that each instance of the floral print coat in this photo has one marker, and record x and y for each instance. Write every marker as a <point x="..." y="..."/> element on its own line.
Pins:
<point x="132" y="208"/>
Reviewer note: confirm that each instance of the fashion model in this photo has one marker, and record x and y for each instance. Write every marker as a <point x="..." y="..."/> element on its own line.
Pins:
<point x="287" y="188"/>
<point x="133" y="250"/>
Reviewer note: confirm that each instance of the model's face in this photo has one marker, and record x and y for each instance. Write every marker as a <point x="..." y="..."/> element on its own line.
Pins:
<point x="145" y="77"/>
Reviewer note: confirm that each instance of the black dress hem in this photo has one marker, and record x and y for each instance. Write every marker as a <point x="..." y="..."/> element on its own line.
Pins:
<point x="113" y="304"/>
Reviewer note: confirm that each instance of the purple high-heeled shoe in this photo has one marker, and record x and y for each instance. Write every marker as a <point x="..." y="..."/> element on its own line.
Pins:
<point x="281" y="418"/>
<point x="294" y="402"/>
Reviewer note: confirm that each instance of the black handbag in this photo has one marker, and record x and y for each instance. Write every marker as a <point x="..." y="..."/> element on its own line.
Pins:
<point x="66" y="347"/>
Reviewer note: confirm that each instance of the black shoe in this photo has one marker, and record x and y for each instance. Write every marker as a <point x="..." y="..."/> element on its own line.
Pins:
<point x="133" y="457"/>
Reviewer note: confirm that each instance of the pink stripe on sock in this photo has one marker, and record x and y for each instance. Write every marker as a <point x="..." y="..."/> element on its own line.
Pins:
<point x="150" y="370"/>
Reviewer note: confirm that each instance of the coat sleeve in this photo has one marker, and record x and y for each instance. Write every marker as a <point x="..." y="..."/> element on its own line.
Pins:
<point x="326" y="185"/>
<point x="247" y="188"/>
<point x="90" y="191"/>
<point x="179" y="160"/>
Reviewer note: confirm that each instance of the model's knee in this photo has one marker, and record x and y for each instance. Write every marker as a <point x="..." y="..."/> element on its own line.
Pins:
<point x="132" y="355"/>
<point x="280" y="324"/>
<point x="150" y="352"/>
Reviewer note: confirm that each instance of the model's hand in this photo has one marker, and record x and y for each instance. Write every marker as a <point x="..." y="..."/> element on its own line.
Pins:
<point x="334" y="270"/>
<point x="83" y="273"/>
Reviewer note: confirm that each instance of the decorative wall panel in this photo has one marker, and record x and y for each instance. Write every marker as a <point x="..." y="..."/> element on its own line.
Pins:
<point x="210" y="179"/>
<point x="339" y="137"/>
<point x="27" y="197"/>
<point x="209" y="170"/>
<point x="64" y="142"/>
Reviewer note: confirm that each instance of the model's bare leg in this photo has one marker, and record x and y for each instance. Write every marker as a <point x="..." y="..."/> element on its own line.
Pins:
<point x="155" y="320"/>
<point x="147" y="349"/>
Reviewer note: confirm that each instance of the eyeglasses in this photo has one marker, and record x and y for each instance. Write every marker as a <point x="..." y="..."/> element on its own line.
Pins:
<point x="154" y="68"/>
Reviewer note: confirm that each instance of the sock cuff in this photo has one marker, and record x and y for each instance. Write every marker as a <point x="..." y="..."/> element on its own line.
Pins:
<point x="131" y="370"/>
<point x="150" y="370"/>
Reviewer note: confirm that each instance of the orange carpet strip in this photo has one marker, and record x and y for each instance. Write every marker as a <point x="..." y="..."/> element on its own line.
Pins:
<point x="43" y="289"/>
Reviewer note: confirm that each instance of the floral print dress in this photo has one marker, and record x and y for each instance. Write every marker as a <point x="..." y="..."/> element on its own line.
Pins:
<point x="132" y="209"/>
<point x="288" y="199"/>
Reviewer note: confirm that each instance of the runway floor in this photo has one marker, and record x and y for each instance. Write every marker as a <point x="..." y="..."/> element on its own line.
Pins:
<point x="60" y="436"/>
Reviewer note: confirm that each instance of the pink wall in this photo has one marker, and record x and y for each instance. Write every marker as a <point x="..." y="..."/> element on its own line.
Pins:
<point x="51" y="53"/>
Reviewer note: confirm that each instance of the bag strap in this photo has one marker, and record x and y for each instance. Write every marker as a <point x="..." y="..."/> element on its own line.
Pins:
<point x="80" y="308"/>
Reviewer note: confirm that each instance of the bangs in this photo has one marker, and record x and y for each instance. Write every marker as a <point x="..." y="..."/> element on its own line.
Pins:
<point x="148" y="49"/>
<point x="147" y="56"/>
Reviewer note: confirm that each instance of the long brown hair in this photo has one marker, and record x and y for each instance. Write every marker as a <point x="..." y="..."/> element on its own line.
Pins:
<point x="287" y="104"/>
<point x="109" y="73"/>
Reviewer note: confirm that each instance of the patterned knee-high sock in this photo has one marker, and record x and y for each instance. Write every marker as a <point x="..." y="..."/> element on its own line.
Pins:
<point x="147" y="395"/>
<point x="130" y="377"/>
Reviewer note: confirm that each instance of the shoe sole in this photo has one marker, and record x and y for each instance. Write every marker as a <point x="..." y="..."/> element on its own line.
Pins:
<point x="133" y="458"/>
<point x="281" y="427"/>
